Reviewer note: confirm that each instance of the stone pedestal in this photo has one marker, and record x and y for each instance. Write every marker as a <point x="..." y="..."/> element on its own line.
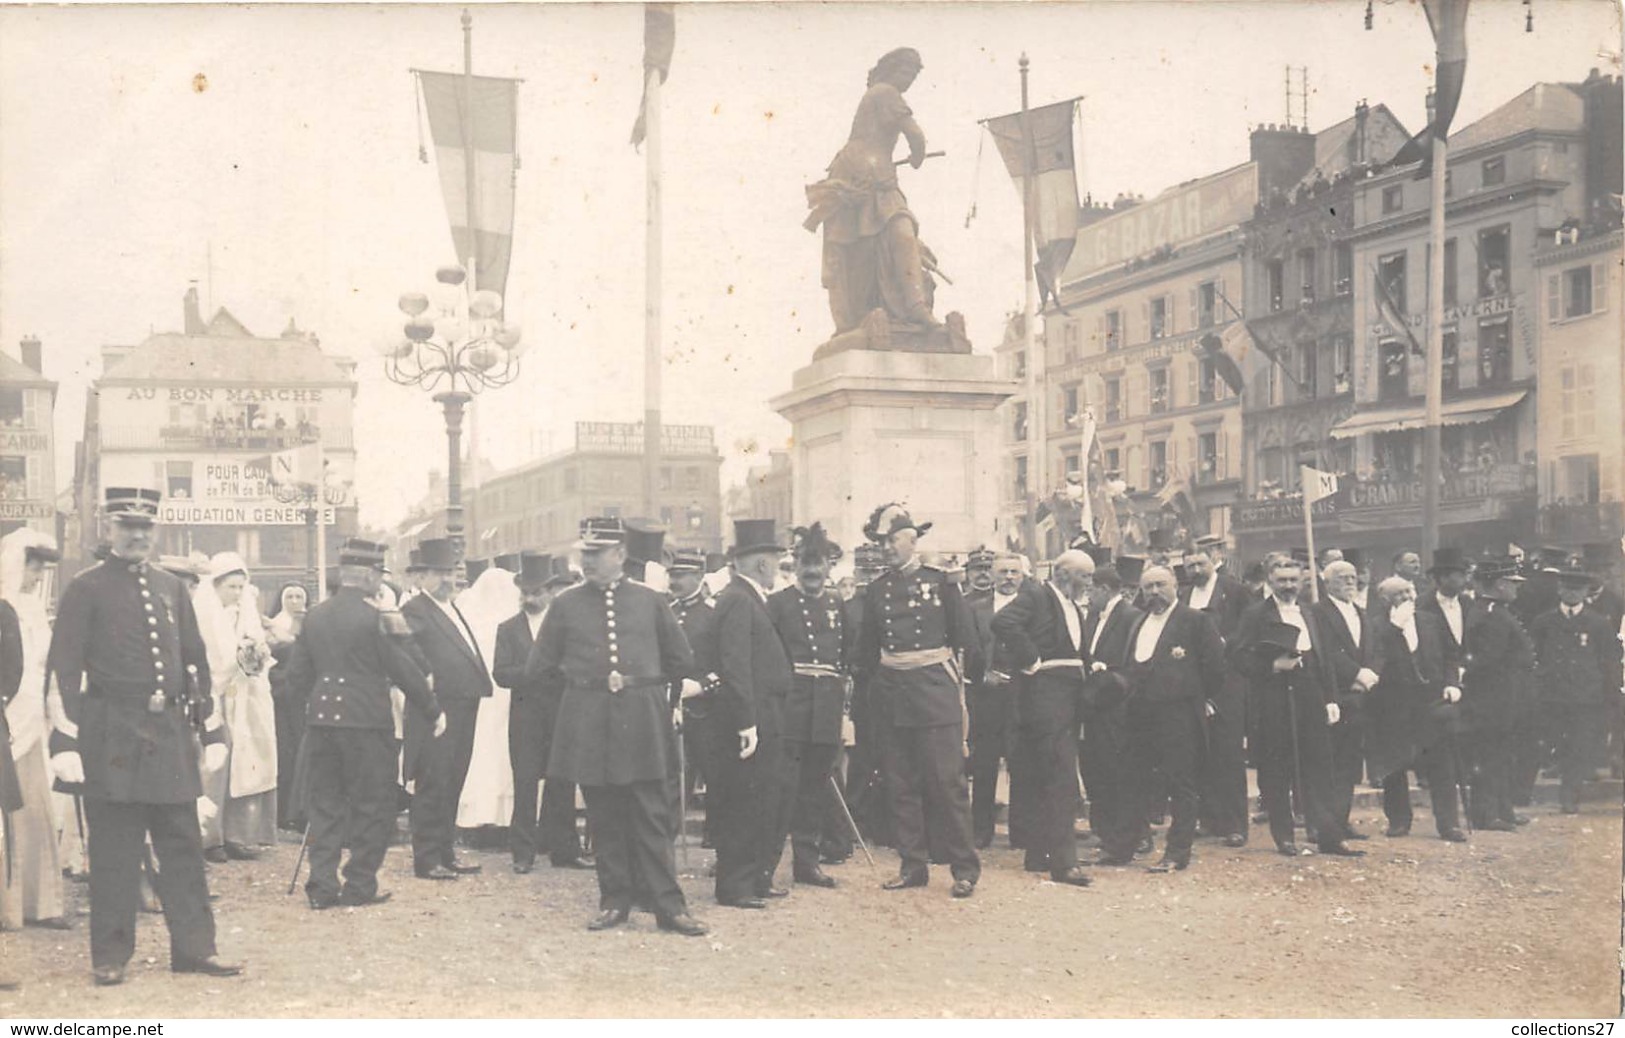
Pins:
<point x="920" y="428"/>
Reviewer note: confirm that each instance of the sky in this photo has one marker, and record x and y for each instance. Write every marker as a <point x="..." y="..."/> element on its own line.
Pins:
<point x="290" y="186"/>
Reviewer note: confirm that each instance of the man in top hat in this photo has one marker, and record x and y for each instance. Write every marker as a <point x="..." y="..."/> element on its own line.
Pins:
<point x="532" y="716"/>
<point x="1295" y="693"/>
<point x="133" y="675"/>
<point x="414" y="575"/>
<point x="437" y="765"/>
<point x="811" y="619"/>
<point x="992" y="699"/>
<point x="699" y="622"/>
<point x="645" y="545"/>
<point x="1043" y="630"/>
<point x="755" y="680"/>
<point x="1447" y="600"/>
<point x="1413" y="715"/>
<point x="1222" y="782"/>
<point x="1160" y="545"/>
<point x="473" y="569"/>
<point x="1577" y="664"/>
<point x="510" y="562"/>
<point x="917" y="645"/>
<point x="1107" y="763"/>
<point x="1499" y="663"/>
<point x="615" y="648"/>
<point x="343" y="664"/>
<point x="1351" y="650"/>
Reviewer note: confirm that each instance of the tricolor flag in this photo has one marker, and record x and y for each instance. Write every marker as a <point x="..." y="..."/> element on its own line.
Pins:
<point x="1389" y="311"/>
<point x="659" y="40"/>
<point x="1317" y="485"/>
<point x="1448" y="20"/>
<point x="1055" y="183"/>
<point x="477" y="116"/>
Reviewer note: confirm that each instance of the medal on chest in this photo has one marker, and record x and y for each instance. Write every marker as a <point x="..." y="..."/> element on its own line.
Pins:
<point x="1584" y="639"/>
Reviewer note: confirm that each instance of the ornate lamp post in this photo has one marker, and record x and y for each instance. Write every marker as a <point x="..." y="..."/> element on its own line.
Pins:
<point x="314" y="497"/>
<point x="456" y="345"/>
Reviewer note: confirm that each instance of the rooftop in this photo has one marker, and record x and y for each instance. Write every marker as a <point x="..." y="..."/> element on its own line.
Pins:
<point x="226" y="351"/>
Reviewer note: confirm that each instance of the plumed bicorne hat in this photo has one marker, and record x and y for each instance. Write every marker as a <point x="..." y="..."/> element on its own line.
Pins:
<point x="888" y="519"/>
<point x="810" y="544"/>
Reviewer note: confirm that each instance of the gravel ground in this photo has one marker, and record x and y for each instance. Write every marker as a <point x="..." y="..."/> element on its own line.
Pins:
<point x="1522" y="924"/>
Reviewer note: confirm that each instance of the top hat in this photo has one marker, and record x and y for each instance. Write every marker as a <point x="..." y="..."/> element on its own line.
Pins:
<point x="1278" y="638"/>
<point x="599" y="532"/>
<point x="533" y="570"/>
<point x="715" y="561"/>
<point x="752" y="536"/>
<point x="1130" y="567"/>
<point x="687" y="560"/>
<point x="135" y="505"/>
<point x="562" y="574"/>
<point x="889" y="519"/>
<point x="1160" y="539"/>
<point x="358" y="552"/>
<point x="414" y="561"/>
<point x="474" y="568"/>
<point x="981" y="558"/>
<point x="644" y="542"/>
<point x="438" y="554"/>
<point x="811" y="544"/>
<point x="510" y="561"/>
<point x="1447" y="559"/>
<point x="1102" y="554"/>
<point x="1354" y="556"/>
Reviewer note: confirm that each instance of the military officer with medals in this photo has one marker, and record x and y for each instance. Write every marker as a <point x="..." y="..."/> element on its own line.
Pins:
<point x="343" y="664"/>
<point x="615" y="648"/>
<point x="1499" y="663"/>
<point x="134" y="675"/>
<point x="811" y="619"/>
<point x="686" y="576"/>
<point x="917" y="643"/>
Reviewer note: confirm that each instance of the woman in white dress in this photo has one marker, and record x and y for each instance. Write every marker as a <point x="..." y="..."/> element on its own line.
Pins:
<point x="239" y="657"/>
<point x="32" y="891"/>
<point x="487" y="797"/>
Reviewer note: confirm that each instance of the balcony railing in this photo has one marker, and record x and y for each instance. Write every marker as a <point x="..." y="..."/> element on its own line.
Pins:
<point x="218" y="438"/>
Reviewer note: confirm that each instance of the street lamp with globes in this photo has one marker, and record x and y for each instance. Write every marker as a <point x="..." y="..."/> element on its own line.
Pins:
<point x="456" y="345"/>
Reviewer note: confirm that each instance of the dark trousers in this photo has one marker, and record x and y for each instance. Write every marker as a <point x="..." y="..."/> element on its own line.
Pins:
<point x="1114" y="812"/>
<point x="351" y="801"/>
<point x="1051" y="755"/>
<point x="835" y="837"/>
<point x="1438" y="764"/>
<point x="631" y="828"/>
<point x="553" y="830"/>
<point x="1276" y="768"/>
<point x="1491" y="775"/>
<point x="290" y="729"/>
<point x="1348" y="762"/>
<point x="118" y="849"/>
<point x="804" y="801"/>
<point x="925" y="772"/>
<point x="990" y="738"/>
<point x="1577" y="729"/>
<point x="703" y="749"/>
<point x="1223" y="782"/>
<point x="439" y="774"/>
<point x="1167" y="741"/>
<point x="742" y="806"/>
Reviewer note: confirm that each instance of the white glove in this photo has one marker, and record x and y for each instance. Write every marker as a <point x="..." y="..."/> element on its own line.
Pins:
<point x="1096" y="667"/>
<point x="677" y="718"/>
<point x="1366" y="679"/>
<point x="747" y="743"/>
<point x="440" y="724"/>
<point x="68" y="768"/>
<point x="206" y="809"/>
<point x="1452" y="694"/>
<point x="1284" y="664"/>
<point x="1333" y="713"/>
<point x="691" y="688"/>
<point x="214" y="756"/>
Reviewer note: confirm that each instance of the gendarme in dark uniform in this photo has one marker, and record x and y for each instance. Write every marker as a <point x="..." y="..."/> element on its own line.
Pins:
<point x="343" y="664"/>
<point x="125" y="641"/>
<point x="917" y="634"/>
<point x="699" y="622"/>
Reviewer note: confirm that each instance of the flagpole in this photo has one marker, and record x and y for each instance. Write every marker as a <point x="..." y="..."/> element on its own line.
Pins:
<point x="1309" y="531"/>
<point x="1037" y="468"/>
<point x="1434" y="369"/>
<point x="651" y="295"/>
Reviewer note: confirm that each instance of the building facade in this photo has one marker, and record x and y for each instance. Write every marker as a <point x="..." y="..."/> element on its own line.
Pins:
<point x="27" y="443"/>
<point x="203" y="415"/>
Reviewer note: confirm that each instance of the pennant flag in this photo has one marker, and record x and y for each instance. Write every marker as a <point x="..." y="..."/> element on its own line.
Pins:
<point x="1055" y="184"/>
<point x="1391" y="315"/>
<point x="295" y="465"/>
<point x="476" y="116"/>
<point x="1317" y="485"/>
<point x="1448" y="20"/>
<point x="659" y="40"/>
<point x="1213" y="349"/>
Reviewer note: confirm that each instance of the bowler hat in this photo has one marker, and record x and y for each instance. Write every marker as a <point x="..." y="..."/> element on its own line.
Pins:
<point x="1448" y="559"/>
<point x="1278" y="638"/>
<point x="752" y="536"/>
<point x="135" y="505"/>
<point x="438" y="554"/>
<point x="534" y="569"/>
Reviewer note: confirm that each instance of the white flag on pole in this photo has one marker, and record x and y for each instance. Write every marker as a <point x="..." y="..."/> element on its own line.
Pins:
<point x="296" y="465"/>
<point x="1317" y="484"/>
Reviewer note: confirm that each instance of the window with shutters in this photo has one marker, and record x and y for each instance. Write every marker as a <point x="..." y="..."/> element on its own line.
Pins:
<point x="1275" y="280"/>
<point x="1159" y="317"/>
<point x="1207" y="303"/>
<point x="1156" y="464"/>
<point x="1577" y="292"/>
<point x="1158" y="396"/>
<point x="1342" y="363"/>
<point x="1018" y="421"/>
<point x="1114" y="329"/>
<point x="1306" y="277"/>
<point x="1495" y="351"/>
<point x="1494" y="254"/>
<point x="1207" y="457"/>
<point x="1578" y="395"/>
<point x="1342" y="269"/>
<point x="11" y="408"/>
<point x="1579" y="479"/>
<point x="1112" y="460"/>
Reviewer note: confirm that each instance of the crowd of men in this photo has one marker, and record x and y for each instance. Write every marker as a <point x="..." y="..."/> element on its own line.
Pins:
<point x="835" y="711"/>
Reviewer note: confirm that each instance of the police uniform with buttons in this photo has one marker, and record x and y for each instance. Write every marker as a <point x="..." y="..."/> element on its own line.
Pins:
<point x="698" y="618"/>
<point x="125" y="640"/>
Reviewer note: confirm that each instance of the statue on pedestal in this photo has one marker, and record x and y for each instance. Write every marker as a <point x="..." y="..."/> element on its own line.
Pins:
<point x="876" y="269"/>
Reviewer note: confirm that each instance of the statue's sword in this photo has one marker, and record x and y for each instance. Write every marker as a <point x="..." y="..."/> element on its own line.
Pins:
<point x="929" y="155"/>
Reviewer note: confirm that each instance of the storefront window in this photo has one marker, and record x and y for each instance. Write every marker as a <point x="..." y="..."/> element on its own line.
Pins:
<point x="13" y="478"/>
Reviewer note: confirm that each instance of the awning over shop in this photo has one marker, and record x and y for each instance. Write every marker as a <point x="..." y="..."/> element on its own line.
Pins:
<point x="1399" y="419"/>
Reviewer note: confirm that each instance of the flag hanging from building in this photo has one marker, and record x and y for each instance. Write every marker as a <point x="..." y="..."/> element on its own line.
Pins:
<point x="659" y="40"/>
<point x="1391" y="315"/>
<point x="476" y="116"/>
<point x="296" y="465"/>
<point x="1317" y="485"/>
<point x="1052" y="160"/>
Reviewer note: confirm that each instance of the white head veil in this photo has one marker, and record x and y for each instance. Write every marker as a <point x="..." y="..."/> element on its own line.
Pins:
<point x="491" y="599"/>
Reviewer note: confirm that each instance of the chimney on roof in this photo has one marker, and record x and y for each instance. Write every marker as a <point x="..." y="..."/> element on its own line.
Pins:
<point x="1284" y="156"/>
<point x="30" y="349"/>
<point x="194" y="316"/>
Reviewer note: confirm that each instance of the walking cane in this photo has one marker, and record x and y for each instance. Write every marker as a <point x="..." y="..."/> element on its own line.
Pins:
<point x="299" y="862"/>
<point x="84" y="846"/>
<point x="682" y="798"/>
<point x="846" y="813"/>
<point x="1297" y="762"/>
